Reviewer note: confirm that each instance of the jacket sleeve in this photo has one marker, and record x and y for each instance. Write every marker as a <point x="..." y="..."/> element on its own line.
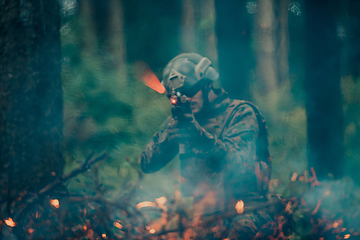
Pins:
<point x="236" y="150"/>
<point x="158" y="152"/>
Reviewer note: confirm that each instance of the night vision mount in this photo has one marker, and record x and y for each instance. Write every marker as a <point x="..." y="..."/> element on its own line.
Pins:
<point x="202" y="67"/>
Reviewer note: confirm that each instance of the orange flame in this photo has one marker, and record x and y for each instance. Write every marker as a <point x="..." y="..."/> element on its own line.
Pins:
<point x="337" y="223"/>
<point x="152" y="231"/>
<point x="103" y="235"/>
<point x="239" y="206"/>
<point x="143" y="73"/>
<point x="145" y="204"/>
<point x="161" y="201"/>
<point x="30" y="230"/>
<point x="177" y="195"/>
<point x="294" y="176"/>
<point x="288" y="207"/>
<point x="346" y="236"/>
<point x="10" y="222"/>
<point x="118" y="225"/>
<point x="55" y="203"/>
<point x="327" y="192"/>
<point x="85" y="227"/>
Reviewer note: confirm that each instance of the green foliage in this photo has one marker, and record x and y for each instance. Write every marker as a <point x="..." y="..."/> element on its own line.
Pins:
<point x="104" y="109"/>
<point x="323" y="209"/>
<point x="286" y="120"/>
<point x="350" y="87"/>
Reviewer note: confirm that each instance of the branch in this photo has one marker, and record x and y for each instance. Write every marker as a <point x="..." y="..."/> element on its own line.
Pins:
<point x="234" y="214"/>
<point x="98" y="199"/>
<point x="103" y="201"/>
<point x="81" y="169"/>
<point x="210" y="219"/>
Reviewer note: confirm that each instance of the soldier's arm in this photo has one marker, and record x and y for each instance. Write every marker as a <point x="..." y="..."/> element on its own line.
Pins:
<point x="158" y="152"/>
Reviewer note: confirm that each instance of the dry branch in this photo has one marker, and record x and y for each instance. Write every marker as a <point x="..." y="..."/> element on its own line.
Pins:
<point x="210" y="219"/>
<point x="81" y="169"/>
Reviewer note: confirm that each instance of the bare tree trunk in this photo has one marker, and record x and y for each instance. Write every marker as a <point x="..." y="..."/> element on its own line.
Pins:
<point x="325" y="128"/>
<point x="89" y="43"/>
<point x="206" y="25"/>
<point x="198" y="28"/>
<point x="267" y="70"/>
<point x="116" y="41"/>
<point x="187" y="35"/>
<point x="159" y="24"/>
<point x="105" y="20"/>
<point x="282" y="49"/>
<point x="233" y="42"/>
<point x="354" y="37"/>
<point x="31" y="95"/>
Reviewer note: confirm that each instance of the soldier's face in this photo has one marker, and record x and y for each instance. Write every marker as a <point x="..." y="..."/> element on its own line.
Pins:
<point x="197" y="102"/>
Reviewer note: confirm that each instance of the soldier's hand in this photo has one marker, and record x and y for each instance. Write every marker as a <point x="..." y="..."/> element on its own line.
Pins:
<point x="184" y="130"/>
<point x="176" y="131"/>
<point x="185" y="118"/>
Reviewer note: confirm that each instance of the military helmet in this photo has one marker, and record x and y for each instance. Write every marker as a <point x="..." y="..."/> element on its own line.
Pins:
<point x="187" y="73"/>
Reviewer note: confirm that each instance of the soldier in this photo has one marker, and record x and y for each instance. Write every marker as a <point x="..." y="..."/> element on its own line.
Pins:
<point x="222" y="143"/>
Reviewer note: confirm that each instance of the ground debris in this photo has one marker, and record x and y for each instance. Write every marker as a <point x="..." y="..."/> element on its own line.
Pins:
<point x="317" y="211"/>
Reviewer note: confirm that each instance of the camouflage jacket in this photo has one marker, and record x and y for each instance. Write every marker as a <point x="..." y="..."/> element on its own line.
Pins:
<point x="234" y="156"/>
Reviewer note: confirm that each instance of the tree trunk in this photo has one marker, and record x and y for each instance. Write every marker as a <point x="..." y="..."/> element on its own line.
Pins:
<point x="267" y="69"/>
<point x="323" y="103"/>
<point x="282" y="48"/>
<point x="31" y="95"/>
<point x="198" y="28"/>
<point x="108" y="31"/>
<point x="234" y="53"/>
<point x="354" y="37"/>
<point x="206" y="25"/>
<point x="152" y="31"/>
<point x="116" y="40"/>
<point x="105" y="32"/>
<point x="188" y="37"/>
<point x="89" y="43"/>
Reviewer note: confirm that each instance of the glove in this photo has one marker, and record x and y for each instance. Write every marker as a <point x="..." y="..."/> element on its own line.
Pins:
<point x="180" y="129"/>
<point x="185" y="129"/>
<point x="188" y="131"/>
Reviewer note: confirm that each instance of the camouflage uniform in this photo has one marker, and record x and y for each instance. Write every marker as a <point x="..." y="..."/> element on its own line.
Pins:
<point x="231" y="153"/>
<point x="248" y="226"/>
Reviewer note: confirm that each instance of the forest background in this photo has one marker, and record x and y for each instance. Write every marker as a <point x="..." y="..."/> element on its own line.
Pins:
<point x="299" y="61"/>
<point x="263" y="51"/>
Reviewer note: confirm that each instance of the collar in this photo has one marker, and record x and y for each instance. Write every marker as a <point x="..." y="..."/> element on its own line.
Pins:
<point x="217" y="106"/>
